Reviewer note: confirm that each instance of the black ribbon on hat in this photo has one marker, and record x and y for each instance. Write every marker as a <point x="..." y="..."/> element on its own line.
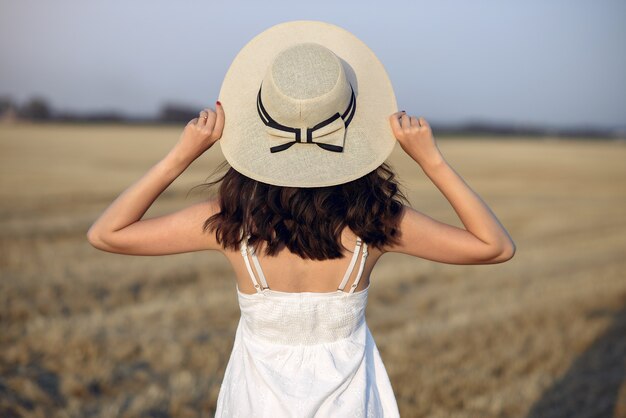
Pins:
<point x="268" y="121"/>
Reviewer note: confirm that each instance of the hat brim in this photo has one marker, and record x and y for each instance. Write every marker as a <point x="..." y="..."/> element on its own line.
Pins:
<point x="369" y="139"/>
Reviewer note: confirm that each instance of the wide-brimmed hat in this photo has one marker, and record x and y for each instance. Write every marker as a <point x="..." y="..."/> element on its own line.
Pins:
<point x="306" y="104"/>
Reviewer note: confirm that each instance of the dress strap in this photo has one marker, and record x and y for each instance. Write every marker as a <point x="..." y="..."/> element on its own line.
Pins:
<point x="244" y="252"/>
<point x="257" y="265"/>
<point x="355" y="254"/>
<point x="361" y="267"/>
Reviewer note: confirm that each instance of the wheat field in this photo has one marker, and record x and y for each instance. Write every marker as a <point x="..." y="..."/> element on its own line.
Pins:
<point x="85" y="333"/>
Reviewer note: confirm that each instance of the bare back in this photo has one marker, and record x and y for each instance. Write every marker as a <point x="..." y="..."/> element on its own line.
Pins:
<point x="287" y="272"/>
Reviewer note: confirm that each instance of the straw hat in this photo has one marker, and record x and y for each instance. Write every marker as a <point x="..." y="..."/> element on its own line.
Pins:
<point x="307" y="104"/>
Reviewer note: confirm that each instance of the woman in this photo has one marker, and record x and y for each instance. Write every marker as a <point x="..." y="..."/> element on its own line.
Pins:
<point x="308" y="198"/>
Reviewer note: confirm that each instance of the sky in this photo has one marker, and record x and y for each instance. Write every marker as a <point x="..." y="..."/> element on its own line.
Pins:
<point x="552" y="63"/>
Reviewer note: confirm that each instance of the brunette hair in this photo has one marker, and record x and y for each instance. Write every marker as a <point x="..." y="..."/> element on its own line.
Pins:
<point x="308" y="221"/>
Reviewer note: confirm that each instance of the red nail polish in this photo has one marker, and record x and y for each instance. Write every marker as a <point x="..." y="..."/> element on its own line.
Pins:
<point x="218" y="103"/>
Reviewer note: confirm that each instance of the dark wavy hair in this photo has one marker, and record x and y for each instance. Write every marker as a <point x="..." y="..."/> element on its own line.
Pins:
<point x="307" y="220"/>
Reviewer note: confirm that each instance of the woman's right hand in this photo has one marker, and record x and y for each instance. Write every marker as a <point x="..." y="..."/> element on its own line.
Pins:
<point x="200" y="133"/>
<point x="415" y="138"/>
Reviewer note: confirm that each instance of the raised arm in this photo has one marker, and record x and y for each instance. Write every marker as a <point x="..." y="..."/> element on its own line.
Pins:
<point x="484" y="241"/>
<point x="120" y="228"/>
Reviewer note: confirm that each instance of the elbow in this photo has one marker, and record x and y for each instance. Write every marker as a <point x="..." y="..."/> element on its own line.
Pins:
<point x="94" y="238"/>
<point x="505" y="254"/>
<point x="495" y="253"/>
<point x="103" y="242"/>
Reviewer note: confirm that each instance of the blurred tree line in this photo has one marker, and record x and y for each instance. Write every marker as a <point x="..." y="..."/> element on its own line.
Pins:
<point x="38" y="109"/>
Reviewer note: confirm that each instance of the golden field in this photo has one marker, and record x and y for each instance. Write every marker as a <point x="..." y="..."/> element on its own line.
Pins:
<point x="84" y="333"/>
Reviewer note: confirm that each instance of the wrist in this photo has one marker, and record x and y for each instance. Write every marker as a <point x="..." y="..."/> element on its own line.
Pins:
<point x="433" y="164"/>
<point x="175" y="162"/>
<point x="177" y="159"/>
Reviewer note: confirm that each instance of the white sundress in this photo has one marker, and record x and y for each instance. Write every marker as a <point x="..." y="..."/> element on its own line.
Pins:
<point x="304" y="354"/>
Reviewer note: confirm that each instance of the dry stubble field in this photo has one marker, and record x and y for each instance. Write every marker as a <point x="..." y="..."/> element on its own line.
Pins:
<point x="84" y="333"/>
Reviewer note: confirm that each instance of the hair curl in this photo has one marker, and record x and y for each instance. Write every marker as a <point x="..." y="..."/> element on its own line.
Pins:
<point x="308" y="221"/>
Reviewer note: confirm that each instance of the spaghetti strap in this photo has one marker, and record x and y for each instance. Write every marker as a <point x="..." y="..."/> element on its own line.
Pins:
<point x="355" y="254"/>
<point x="257" y="265"/>
<point x="359" y="243"/>
<point x="361" y="267"/>
<point x="244" y="253"/>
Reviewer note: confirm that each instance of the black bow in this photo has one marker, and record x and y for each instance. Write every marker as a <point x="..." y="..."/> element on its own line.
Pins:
<point x="268" y="121"/>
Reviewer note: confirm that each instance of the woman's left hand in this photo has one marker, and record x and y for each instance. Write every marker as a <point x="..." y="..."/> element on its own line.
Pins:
<point x="200" y="133"/>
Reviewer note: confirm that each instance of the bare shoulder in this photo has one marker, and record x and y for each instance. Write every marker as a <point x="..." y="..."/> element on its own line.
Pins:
<point x="198" y="214"/>
<point x="186" y="227"/>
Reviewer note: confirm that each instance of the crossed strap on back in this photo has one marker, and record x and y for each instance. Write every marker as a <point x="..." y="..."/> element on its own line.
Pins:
<point x="245" y="250"/>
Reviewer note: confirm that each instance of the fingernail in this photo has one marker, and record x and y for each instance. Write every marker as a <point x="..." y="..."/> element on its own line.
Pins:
<point x="402" y="111"/>
<point x="218" y="103"/>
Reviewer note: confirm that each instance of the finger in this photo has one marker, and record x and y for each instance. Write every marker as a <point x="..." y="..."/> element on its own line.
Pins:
<point x="204" y="116"/>
<point x="394" y="120"/>
<point x="210" y="120"/>
<point x="219" y="121"/>
<point x="414" y="121"/>
<point x="423" y="122"/>
<point x="406" y="121"/>
<point x="193" y="121"/>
